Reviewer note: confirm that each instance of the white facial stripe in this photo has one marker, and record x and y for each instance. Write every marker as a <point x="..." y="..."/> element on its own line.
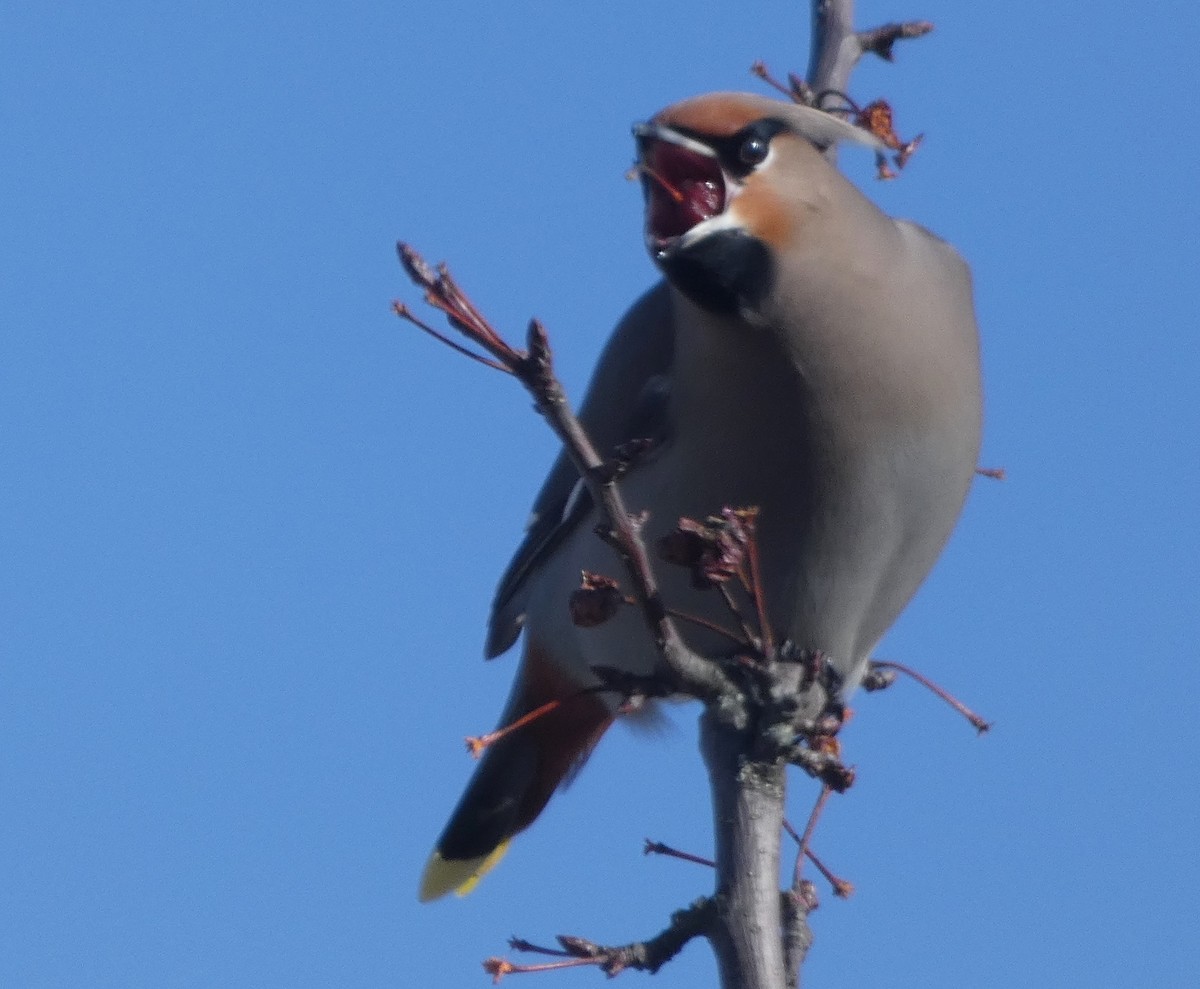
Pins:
<point x="660" y="133"/>
<point x="722" y="221"/>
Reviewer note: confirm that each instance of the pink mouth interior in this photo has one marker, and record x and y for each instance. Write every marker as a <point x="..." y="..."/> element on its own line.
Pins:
<point x="685" y="188"/>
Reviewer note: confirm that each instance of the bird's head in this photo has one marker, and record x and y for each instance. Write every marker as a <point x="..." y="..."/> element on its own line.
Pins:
<point x="728" y="179"/>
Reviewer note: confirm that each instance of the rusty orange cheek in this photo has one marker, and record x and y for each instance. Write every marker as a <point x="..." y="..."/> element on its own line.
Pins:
<point x="764" y="213"/>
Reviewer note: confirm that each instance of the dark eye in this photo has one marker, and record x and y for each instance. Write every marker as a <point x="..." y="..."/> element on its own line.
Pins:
<point x="753" y="150"/>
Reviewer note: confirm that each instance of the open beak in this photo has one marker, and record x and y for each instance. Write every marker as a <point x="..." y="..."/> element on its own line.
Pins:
<point x="683" y="183"/>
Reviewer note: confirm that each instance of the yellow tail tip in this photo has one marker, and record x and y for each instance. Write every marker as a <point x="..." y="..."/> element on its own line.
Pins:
<point x="458" y="876"/>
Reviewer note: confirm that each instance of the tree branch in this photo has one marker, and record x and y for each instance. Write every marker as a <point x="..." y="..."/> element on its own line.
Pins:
<point x="798" y="903"/>
<point x="686" y="671"/>
<point x="647" y="956"/>
<point x="690" y="672"/>
<point x="836" y="49"/>
<point x="837" y="46"/>
<point x="880" y="40"/>
<point x="748" y="800"/>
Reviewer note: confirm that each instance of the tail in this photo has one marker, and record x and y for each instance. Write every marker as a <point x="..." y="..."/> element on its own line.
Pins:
<point x="517" y="776"/>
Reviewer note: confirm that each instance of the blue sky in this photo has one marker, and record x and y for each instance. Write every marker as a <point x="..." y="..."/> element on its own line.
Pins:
<point x="250" y="524"/>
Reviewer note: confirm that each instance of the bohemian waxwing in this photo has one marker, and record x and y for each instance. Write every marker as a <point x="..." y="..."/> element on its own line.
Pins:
<point x="806" y="354"/>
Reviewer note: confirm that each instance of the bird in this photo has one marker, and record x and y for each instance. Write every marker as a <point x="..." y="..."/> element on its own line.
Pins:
<point x="804" y="353"/>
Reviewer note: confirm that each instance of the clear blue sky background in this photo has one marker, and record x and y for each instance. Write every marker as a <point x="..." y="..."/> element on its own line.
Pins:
<point x="250" y="524"/>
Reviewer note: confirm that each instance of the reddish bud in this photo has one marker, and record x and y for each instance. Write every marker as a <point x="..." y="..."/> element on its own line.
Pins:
<point x="714" y="549"/>
<point x="837" y="777"/>
<point x="596" y="600"/>
<point x="497" y="968"/>
<point x="878" y="679"/>
<point x="877" y="118"/>
<point x="806" y="895"/>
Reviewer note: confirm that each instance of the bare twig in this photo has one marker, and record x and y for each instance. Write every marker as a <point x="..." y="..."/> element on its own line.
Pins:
<point x="658" y="848"/>
<point x="443" y="293"/>
<point x="401" y="310"/>
<point x="745" y="641"/>
<point x="749" y="518"/>
<point x="811" y="827"/>
<point x="648" y="956"/>
<point x="798" y="903"/>
<point x="842" y="888"/>
<point x="727" y="596"/>
<point x="836" y="49"/>
<point x="797" y="90"/>
<point x="880" y="40"/>
<point x="980" y="724"/>
<point x="598" y="598"/>
<point x="534" y="368"/>
<point x="837" y="46"/>
<point x="823" y="766"/>
<point x="622" y="683"/>
<point x="477" y="743"/>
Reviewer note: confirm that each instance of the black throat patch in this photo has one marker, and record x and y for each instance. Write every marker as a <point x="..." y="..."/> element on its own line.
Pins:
<point x="726" y="272"/>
